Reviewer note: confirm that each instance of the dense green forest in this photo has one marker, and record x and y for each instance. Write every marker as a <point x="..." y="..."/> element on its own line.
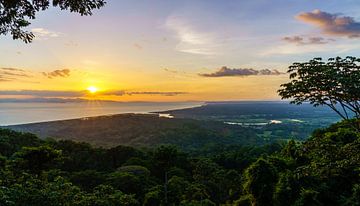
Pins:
<point x="324" y="170"/>
<point x="190" y="135"/>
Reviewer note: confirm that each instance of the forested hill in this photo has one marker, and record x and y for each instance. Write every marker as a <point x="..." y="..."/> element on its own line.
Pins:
<point x="144" y="130"/>
<point x="324" y="170"/>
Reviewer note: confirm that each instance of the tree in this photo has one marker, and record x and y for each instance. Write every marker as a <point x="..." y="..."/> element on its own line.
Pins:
<point x="126" y="182"/>
<point x="165" y="157"/>
<point x="16" y="14"/>
<point x="36" y="159"/>
<point x="335" y="83"/>
<point x="260" y="179"/>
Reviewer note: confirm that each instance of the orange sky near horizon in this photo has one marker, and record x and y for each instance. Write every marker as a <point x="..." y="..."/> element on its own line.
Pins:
<point x="175" y="50"/>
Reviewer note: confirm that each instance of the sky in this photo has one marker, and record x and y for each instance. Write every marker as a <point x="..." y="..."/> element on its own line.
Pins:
<point x="159" y="50"/>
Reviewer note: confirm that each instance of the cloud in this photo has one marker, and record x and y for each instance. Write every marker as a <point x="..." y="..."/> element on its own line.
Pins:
<point x="114" y="93"/>
<point x="130" y="93"/>
<point x="5" y="79"/>
<point x="57" y="73"/>
<point x="12" y="69"/>
<point x="171" y="71"/>
<point x="79" y="94"/>
<point x="192" y="40"/>
<point x="299" y="40"/>
<point x="43" y="93"/>
<point x="157" y="93"/>
<point x="12" y="74"/>
<point x="228" y="72"/>
<point x="42" y="33"/>
<point x="137" y="46"/>
<point x="71" y="44"/>
<point x="15" y="74"/>
<point x="332" y="24"/>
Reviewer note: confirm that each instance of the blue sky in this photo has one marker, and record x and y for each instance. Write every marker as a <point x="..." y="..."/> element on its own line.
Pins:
<point x="158" y="45"/>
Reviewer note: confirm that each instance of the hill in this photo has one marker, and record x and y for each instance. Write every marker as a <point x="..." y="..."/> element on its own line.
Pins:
<point x="143" y="130"/>
<point x="245" y="123"/>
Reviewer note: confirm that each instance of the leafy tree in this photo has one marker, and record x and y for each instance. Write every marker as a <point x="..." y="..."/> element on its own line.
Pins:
<point x="335" y="83"/>
<point x="120" y="154"/>
<point x="205" y="202"/>
<point x="87" y="179"/>
<point x="308" y="198"/>
<point x="244" y="201"/>
<point x="177" y="189"/>
<point x="11" y="141"/>
<point x="105" y="195"/>
<point x="36" y="159"/>
<point x="355" y="198"/>
<point x="260" y="181"/>
<point x="166" y="157"/>
<point x="286" y="189"/>
<point x="2" y="162"/>
<point x="154" y="197"/>
<point x="16" y="14"/>
<point x="126" y="182"/>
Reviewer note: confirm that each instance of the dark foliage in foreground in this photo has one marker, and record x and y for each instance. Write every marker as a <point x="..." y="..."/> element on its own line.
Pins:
<point x="335" y="83"/>
<point x="324" y="170"/>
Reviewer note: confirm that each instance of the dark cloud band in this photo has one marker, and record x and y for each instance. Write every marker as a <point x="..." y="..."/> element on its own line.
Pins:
<point x="299" y="40"/>
<point x="57" y="73"/>
<point x="77" y="94"/>
<point x="228" y="72"/>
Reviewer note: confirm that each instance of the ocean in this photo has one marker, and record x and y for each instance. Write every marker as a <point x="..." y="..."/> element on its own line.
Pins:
<point x="22" y="113"/>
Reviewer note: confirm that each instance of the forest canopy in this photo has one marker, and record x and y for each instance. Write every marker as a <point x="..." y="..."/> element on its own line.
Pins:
<point x="324" y="170"/>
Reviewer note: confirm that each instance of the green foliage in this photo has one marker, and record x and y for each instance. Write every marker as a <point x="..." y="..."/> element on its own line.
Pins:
<point x="260" y="179"/>
<point x="286" y="189"/>
<point x="126" y="182"/>
<point x="11" y="141"/>
<point x="154" y="197"/>
<point x="87" y="179"/>
<point x="36" y="159"/>
<point x="245" y="200"/>
<point x="324" y="170"/>
<point x="308" y="198"/>
<point x="326" y="83"/>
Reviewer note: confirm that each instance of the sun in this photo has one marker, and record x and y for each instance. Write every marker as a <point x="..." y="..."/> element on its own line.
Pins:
<point x="92" y="89"/>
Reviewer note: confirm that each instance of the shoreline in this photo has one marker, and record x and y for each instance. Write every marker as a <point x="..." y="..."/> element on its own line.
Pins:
<point x="160" y="113"/>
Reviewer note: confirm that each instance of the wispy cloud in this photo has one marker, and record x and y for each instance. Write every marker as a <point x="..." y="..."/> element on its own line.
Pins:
<point x="138" y="46"/>
<point x="228" y="72"/>
<point x="191" y="40"/>
<point x="57" y="73"/>
<point x="83" y="93"/>
<point x="5" y="78"/>
<point x="12" y="69"/>
<point x="130" y="93"/>
<point x="43" y="93"/>
<point x="300" y="40"/>
<point x="157" y="93"/>
<point x="12" y="74"/>
<point x="114" y="93"/>
<point x="171" y="71"/>
<point x="332" y="24"/>
<point x="42" y="33"/>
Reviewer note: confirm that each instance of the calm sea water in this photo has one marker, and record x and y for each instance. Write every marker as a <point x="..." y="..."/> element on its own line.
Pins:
<point x="21" y="113"/>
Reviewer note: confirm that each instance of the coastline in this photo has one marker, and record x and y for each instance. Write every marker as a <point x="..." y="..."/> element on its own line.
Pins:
<point x="52" y="112"/>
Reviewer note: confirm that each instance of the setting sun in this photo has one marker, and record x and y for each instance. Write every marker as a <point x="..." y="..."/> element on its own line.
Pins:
<point x="92" y="89"/>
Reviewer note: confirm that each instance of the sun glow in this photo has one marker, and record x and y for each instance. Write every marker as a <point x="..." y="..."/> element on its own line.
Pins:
<point x="92" y="89"/>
